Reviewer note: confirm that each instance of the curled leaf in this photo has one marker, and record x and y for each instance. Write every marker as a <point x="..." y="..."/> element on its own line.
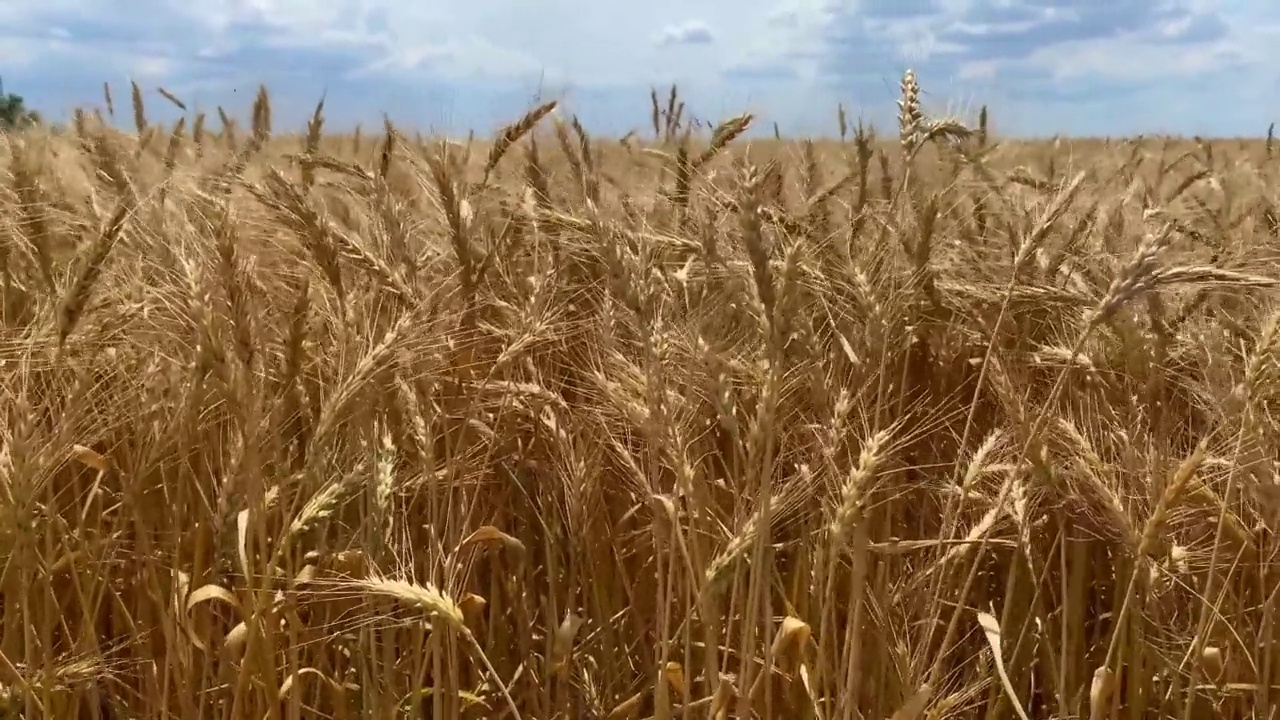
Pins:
<point x="286" y="687"/>
<point x="1104" y="681"/>
<point x="1211" y="662"/>
<point x="89" y="457"/>
<point x="472" y="605"/>
<point x="562" y="641"/>
<point x="208" y="594"/>
<point x="234" y="643"/>
<point x="674" y="673"/>
<point x="489" y="535"/>
<point x="792" y="635"/>
<point x="914" y="707"/>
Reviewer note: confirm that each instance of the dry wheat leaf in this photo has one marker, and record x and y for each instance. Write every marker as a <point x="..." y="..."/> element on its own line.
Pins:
<point x="991" y="628"/>
<point x="472" y="605"/>
<point x="90" y="457"/>
<point x="674" y="672"/>
<point x="914" y="707"/>
<point x="1104" y="681"/>
<point x="242" y="541"/>
<point x="627" y="708"/>
<point x="562" y="641"/>
<point x="286" y="687"/>
<point x="205" y="594"/>
<point x="814" y="706"/>
<point x="490" y="534"/>
<point x="468" y="698"/>
<point x="211" y="592"/>
<point x="233" y="645"/>
<point x="792" y="634"/>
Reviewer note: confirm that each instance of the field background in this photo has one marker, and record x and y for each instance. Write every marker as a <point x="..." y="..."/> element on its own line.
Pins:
<point x="923" y="425"/>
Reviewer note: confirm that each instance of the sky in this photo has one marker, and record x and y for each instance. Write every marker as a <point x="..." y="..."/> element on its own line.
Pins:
<point x="1091" y="67"/>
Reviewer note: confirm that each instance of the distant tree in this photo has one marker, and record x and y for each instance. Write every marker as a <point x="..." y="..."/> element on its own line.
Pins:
<point x="14" y="113"/>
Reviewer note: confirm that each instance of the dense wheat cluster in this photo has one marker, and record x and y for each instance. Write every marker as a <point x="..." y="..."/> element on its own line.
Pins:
<point x="682" y="426"/>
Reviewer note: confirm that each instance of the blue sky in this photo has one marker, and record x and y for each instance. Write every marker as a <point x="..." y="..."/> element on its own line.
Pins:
<point x="1043" y="66"/>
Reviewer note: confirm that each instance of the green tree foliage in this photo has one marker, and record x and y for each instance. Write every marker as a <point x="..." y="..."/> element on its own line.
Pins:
<point x="14" y="113"/>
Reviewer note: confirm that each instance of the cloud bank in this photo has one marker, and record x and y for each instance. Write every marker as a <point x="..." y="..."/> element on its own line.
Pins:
<point x="1043" y="66"/>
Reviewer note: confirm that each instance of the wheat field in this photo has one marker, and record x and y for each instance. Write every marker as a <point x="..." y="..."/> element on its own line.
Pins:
<point x="924" y="425"/>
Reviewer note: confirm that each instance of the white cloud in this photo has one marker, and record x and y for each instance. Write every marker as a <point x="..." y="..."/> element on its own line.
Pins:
<point x="464" y="58"/>
<point x="1049" y="65"/>
<point x="693" y="32"/>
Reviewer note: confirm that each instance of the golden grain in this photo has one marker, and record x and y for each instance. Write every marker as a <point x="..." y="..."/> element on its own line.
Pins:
<point x="305" y="426"/>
